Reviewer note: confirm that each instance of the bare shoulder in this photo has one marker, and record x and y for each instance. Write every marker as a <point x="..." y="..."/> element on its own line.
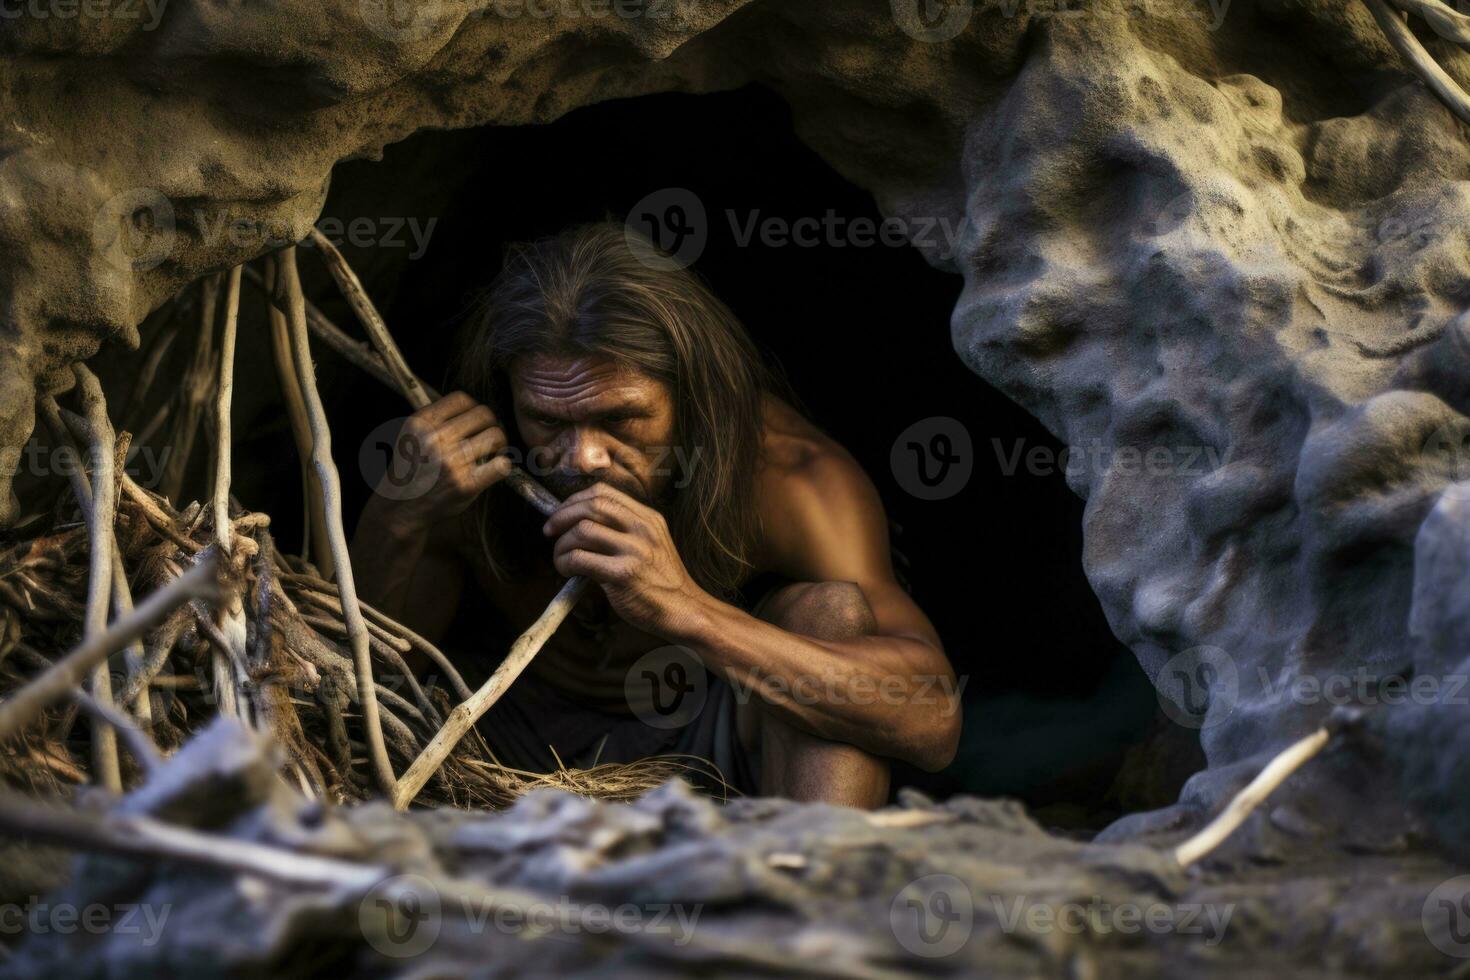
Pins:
<point x="820" y="512"/>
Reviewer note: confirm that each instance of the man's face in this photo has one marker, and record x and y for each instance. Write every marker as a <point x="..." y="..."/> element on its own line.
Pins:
<point x="590" y="419"/>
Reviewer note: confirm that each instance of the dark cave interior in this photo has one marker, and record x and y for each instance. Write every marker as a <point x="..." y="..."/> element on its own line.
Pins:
<point x="1057" y="712"/>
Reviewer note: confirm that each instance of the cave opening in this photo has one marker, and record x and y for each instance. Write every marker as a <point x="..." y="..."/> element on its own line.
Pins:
<point x="1057" y="712"/>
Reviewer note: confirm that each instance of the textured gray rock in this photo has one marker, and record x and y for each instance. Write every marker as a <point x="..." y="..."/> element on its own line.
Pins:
<point x="675" y="883"/>
<point x="1231" y="234"/>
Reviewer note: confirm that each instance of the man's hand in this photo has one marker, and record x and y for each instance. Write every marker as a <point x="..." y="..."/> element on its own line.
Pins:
<point x="454" y="441"/>
<point x="624" y="545"/>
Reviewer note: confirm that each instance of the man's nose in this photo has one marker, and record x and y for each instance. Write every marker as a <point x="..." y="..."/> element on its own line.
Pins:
<point x="587" y="453"/>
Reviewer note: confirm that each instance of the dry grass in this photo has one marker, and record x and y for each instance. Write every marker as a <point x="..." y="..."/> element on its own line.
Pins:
<point x="300" y="686"/>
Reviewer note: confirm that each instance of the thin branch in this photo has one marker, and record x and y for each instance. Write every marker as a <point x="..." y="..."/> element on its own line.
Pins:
<point x="145" y="753"/>
<point x="529" y="644"/>
<point x="1234" y="814"/>
<point x="318" y="587"/>
<point x="192" y="395"/>
<point x="1438" y="80"/>
<point x="158" y="347"/>
<point x="1445" y="20"/>
<point x="326" y="470"/>
<point x="391" y="360"/>
<point x="372" y="322"/>
<point x="314" y="520"/>
<point x="146" y="837"/>
<point x="463" y="717"/>
<point x="54" y="685"/>
<point x="99" y="499"/>
<point x="228" y="656"/>
<point x="355" y="352"/>
<point x="224" y="393"/>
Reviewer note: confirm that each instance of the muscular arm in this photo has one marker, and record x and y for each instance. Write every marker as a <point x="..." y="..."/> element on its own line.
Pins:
<point x="404" y="554"/>
<point x="892" y="693"/>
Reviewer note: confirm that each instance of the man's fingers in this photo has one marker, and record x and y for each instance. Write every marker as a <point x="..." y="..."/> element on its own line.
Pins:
<point x="476" y="418"/>
<point x="603" y="510"/>
<point x="446" y="407"/>
<point x="591" y="536"/>
<point x="599" y="568"/>
<point x="492" y="471"/>
<point x="485" y="444"/>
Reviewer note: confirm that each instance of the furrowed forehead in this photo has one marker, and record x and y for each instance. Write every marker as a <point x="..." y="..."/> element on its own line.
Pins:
<point x="582" y="384"/>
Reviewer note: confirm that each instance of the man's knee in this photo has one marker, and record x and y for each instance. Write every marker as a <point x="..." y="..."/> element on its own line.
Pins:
<point x="823" y="610"/>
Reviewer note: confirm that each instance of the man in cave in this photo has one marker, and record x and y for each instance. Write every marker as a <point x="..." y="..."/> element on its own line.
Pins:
<point x="693" y="491"/>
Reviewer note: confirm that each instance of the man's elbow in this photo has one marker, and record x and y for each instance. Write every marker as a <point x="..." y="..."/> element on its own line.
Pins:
<point x="935" y="746"/>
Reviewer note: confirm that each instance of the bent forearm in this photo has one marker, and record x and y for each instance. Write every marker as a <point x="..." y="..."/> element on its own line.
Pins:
<point x="891" y="696"/>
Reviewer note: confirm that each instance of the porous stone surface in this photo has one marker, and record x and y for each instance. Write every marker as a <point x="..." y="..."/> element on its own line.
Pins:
<point x="1233" y="233"/>
<point x="677" y="884"/>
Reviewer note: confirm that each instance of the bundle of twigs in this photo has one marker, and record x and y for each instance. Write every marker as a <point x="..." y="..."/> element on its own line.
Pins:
<point x="286" y="646"/>
<point x="297" y="679"/>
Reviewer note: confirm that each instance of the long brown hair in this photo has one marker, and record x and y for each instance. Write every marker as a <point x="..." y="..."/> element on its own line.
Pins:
<point x="599" y="289"/>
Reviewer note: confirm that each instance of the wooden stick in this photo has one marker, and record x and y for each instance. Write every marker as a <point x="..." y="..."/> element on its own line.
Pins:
<point x="144" y="751"/>
<point x="1438" y="80"/>
<point x="392" y="364"/>
<point x="192" y="395"/>
<point x="326" y="470"/>
<point x="122" y="595"/>
<point x="463" y="717"/>
<point x="372" y="322"/>
<point x="314" y="541"/>
<point x="54" y="685"/>
<point x="101" y="516"/>
<point x="529" y="644"/>
<point x="319" y="587"/>
<point x="1446" y="21"/>
<point x="355" y="352"/>
<point x="122" y="605"/>
<point x="228" y="659"/>
<point x="158" y="346"/>
<point x="1240" y="807"/>
<point x="223" y="395"/>
<point x="147" y="837"/>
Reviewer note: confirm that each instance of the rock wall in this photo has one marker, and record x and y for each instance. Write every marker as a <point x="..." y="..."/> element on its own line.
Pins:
<point x="1219" y="249"/>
